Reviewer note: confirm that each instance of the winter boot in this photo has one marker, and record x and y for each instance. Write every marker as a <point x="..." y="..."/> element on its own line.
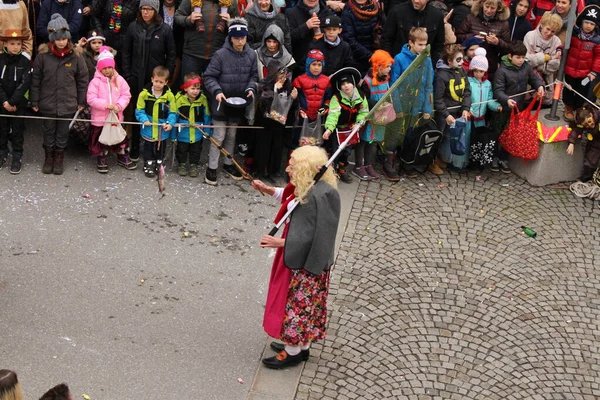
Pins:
<point x="125" y="161"/>
<point x="193" y="171"/>
<point x="15" y="167"/>
<point x="49" y="161"/>
<point x="59" y="157"/>
<point x="102" y="164"/>
<point x="344" y="173"/>
<point x="389" y="168"/>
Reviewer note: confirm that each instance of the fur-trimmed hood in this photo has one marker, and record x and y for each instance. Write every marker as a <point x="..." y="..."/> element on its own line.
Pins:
<point x="43" y="48"/>
<point x="502" y="14"/>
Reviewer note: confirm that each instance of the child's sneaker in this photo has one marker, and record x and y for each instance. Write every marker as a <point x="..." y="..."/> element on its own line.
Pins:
<point x="361" y="173"/>
<point x="233" y="172"/>
<point x="149" y="168"/>
<point x="504" y="167"/>
<point x="495" y="165"/>
<point x="193" y="171"/>
<point x="182" y="169"/>
<point x="102" y="164"/>
<point x="372" y="173"/>
<point x="125" y="161"/>
<point x="211" y="176"/>
<point x="15" y="167"/>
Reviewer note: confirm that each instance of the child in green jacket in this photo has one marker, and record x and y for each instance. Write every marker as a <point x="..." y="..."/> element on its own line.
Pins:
<point x="347" y="108"/>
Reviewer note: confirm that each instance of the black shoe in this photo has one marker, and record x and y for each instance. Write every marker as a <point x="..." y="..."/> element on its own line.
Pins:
<point x="390" y="174"/>
<point x="282" y="360"/>
<point x="345" y="177"/>
<point x="233" y="172"/>
<point x="149" y="169"/>
<point x="278" y="347"/>
<point x="211" y="176"/>
<point x="15" y="167"/>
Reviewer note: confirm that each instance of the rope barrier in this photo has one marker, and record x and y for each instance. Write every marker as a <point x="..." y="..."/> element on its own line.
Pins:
<point x="565" y="84"/>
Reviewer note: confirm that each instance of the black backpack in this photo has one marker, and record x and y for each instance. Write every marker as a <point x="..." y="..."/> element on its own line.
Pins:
<point x="421" y="144"/>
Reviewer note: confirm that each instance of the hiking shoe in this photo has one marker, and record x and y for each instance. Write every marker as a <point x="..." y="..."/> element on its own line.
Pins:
<point x="390" y="174"/>
<point x="102" y="164"/>
<point x="182" y="170"/>
<point x="233" y="172"/>
<point x="361" y="173"/>
<point x="504" y="166"/>
<point x="495" y="165"/>
<point x="2" y="162"/>
<point x="15" y="167"/>
<point x="125" y="161"/>
<point x="149" y="168"/>
<point x="211" y="176"/>
<point x="435" y="169"/>
<point x="372" y="173"/>
<point x="345" y="177"/>
<point x="193" y="171"/>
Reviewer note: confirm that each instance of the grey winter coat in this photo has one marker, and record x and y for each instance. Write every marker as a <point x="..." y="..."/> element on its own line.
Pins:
<point x="59" y="85"/>
<point x="231" y="72"/>
<point x="258" y="21"/>
<point x="310" y="241"/>
<point x="203" y="44"/>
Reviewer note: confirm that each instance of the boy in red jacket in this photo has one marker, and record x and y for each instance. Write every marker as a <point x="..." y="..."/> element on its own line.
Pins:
<point x="583" y="61"/>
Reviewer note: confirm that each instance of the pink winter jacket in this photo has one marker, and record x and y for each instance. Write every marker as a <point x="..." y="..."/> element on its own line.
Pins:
<point x="98" y="99"/>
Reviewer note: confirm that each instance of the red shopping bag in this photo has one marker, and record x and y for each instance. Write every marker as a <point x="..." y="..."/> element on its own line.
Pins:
<point x="521" y="136"/>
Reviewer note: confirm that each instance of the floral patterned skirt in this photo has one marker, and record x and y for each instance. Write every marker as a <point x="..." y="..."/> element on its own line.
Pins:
<point x="305" y="318"/>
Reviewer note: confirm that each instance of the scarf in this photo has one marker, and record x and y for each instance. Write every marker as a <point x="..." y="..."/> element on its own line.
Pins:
<point x="334" y="44"/>
<point x="262" y="14"/>
<point x="60" y="53"/>
<point x="286" y="198"/>
<point x="585" y="36"/>
<point x="315" y="10"/>
<point x="114" y="23"/>
<point x="364" y="12"/>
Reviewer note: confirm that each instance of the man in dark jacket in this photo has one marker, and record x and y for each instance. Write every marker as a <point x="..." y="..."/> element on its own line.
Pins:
<point x="304" y="21"/>
<point x="404" y="17"/>
<point x="199" y="47"/>
<point x="69" y="9"/>
<point x="337" y="52"/>
<point x="231" y="73"/>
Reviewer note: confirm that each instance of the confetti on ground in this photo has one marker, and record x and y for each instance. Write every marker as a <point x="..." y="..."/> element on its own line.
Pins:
<point x="86" y="196"/>
<point x="142" y="281"/>
<point x="240" y="381"/>
<point x="86" y="397"/>
<point x="400" y="198"/>
<point x="442" y="185"/>
<point x="491" y="288"/>
<point x="478" y="178"/>
<point x="186" y="234"/>
<point x="505" y="184"/>
<point x="367" y="229"/>
<point x="481" y="212"/>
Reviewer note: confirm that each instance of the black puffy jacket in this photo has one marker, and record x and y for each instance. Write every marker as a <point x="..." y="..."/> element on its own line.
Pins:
<point x="301" y="35"/>
<point x="16" y="79"/>
<point x="144" y="48"/>
<point x="402" y="18"/>
<point x="358" y="33"/>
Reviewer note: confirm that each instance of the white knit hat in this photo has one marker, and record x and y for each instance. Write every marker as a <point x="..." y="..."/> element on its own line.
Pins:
<point x="479" y="62"/>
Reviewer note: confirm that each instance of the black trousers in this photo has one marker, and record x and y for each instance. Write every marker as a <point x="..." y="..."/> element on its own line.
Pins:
<point x="268" y="146"/>
<point x="153" y="152"/>
<point x="15" y="137"/>
<point x="188" y="152"/>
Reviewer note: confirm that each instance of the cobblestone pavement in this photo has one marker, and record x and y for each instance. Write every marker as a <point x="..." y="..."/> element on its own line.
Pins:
<point x="436" y="295"/>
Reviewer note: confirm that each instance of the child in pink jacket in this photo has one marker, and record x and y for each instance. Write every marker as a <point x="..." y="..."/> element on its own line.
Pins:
<point x="107" y="91"/>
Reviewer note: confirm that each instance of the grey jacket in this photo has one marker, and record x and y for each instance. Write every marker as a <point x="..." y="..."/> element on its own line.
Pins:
<point x="310" y="241"/>
<point x="59" y="85"/>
